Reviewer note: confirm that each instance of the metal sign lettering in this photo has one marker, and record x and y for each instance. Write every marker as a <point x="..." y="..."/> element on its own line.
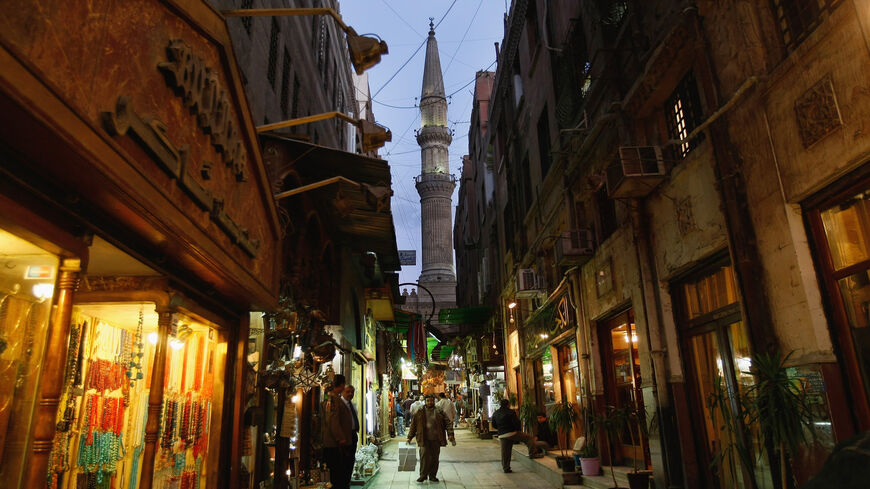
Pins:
<point x="408" y="257"/>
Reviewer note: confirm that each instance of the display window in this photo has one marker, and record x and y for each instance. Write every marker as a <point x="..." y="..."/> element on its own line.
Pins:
<point x="27" y="283"/>
<point x="570" y="373"/>
<point x="104" y="405"/>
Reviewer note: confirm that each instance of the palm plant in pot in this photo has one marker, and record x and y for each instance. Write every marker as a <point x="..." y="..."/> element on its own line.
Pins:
<point x="639" y="427"/>
<point x="562" y="419"/>
<point x="613" y="422"/>
<point x="590" y="460"/>
<point x="528" y="414"/>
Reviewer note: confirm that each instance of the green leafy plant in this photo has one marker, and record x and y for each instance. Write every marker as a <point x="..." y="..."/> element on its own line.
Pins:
<point x="563" y="417"/>
<point x="780" y="408"/>
<point x="512" y="397"/>
<point x="640" y="424"/>
<point x="613" y="423"/>
<point x="528" y="413"/>
<point x="591" y="424"/>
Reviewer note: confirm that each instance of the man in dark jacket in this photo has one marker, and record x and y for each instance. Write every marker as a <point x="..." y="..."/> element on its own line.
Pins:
<point x="432" y="428"/>
<point x="510" y="431"/>
<point x="337" y="434"/>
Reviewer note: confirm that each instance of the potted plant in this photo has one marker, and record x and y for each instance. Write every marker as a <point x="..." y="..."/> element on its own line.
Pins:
<point x="590" y="460"/>
<point x="613" y="422"/>
<point x="528" y="414"/>
<point x="639" y="425"/>
<point x="779" y="406"/>
<point x="562" y="419"/>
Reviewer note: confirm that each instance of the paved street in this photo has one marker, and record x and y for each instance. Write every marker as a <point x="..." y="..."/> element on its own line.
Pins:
<point x="471" y="463"/>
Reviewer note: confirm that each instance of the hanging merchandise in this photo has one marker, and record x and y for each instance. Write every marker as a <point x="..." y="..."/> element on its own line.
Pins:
<point x="134" y="359"/>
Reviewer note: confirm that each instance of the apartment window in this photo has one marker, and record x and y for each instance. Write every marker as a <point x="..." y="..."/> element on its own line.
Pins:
<point x="527" y="186"/>
<point x="532" y="30"/>
<point x="683" y="111"/>
<point x="273" y="51"/>
<point x="295" y="108"/>
<point x="607" y="222"/>
<point x="247" y="22"/>
<point x="544" y="142"/>
<point x="518" y="83"/>
<point x="798" y="18"/>
<point x="285" y="84"/>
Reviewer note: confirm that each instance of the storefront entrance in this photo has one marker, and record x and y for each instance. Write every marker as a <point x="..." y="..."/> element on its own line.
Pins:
<point x="622" y="381"/>
<point x="718" y="360"/>
<point x="840" y="228"/>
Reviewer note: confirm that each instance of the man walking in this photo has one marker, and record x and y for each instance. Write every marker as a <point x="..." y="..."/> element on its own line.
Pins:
<point x="459" y="405"/>
<point x="505" y="420"/>
<point x="416" y="406"/>
<point x="446" y="405"/>
<point x="406" y="409"/>
<point x="432" y="429"/>
<point x="400" y="418"/>
<point x="350" y="456"/>
<point x="337" y="434"/>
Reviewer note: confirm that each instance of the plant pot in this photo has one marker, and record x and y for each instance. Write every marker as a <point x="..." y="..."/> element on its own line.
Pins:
<point x="566" y="463"/>
<point x="570" y="478"/>
<point x="638" y="480"/>
<point x="590" y="466"/>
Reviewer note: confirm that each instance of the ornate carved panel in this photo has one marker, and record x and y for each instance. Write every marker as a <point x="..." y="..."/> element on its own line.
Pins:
<point x="817" y="112"/>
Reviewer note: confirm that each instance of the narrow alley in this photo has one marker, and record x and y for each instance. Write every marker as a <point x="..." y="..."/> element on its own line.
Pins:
<point x="471" y="463"/>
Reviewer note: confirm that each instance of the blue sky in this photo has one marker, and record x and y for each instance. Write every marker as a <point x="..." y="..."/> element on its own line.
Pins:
<point x="466" y="35"/>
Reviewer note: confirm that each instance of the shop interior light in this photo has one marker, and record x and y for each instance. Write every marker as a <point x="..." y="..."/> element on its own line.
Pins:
<point x="152" y="337"/>
<point x="176" y="344"/>
<point x="43" y="291"/>
<point x="296" y="398"/>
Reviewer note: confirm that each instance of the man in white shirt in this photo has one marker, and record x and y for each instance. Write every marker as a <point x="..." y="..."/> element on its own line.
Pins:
<point x="416" y="406"/>
<point x="446" y="405"/>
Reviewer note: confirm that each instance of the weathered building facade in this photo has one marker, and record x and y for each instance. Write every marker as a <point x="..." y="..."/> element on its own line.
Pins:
<point x="680" y="186"/>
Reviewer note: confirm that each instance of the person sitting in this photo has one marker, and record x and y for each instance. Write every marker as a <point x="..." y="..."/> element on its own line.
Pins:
<point x="506" y="421"/>
<point x="546" y="438"/>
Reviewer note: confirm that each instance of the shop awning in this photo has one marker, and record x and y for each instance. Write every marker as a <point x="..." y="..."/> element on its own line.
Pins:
<point x="465" y="315"/>
<point x="357" y="205"/>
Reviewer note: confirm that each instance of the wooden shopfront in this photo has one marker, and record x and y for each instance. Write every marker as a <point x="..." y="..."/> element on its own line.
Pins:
<point x="139" y="231"/>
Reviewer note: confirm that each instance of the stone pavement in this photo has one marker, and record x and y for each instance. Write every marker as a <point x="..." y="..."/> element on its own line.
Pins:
<point x="472" y="463"/>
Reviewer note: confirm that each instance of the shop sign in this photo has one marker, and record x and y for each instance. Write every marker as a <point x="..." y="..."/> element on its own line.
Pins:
<point x="408" y="257"/>
<point x="201" y="91"/>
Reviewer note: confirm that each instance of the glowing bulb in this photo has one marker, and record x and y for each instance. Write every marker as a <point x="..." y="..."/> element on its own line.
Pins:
<point x="176" y="345"/>
<point x="295" y="398"/>
<point x="152" y="338"/>
<point x="512" y="305"/>
<point x="43" y="291"/>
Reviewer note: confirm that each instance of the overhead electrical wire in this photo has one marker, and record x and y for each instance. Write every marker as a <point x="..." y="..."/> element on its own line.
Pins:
<point x="458" y="46"/>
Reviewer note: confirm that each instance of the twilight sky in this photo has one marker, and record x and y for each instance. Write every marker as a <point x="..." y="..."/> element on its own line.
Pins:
<point x="466" y="32"/>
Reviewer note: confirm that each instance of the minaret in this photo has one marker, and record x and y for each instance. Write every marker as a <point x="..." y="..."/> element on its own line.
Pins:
<point x="435" y="183"/>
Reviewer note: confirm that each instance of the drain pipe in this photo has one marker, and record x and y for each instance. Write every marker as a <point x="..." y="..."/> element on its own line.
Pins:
<point x="650" y="301"/>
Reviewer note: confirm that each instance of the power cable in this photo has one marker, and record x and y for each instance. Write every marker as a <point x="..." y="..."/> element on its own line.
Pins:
<point x="400" y="17"/>
<point x="463" y="37"/>
<point x="415" y="52"/>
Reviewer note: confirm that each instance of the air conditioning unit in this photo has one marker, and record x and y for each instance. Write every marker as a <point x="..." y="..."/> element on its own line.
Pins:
<point x="528" y="283"/>
<point x="574" y="247"/>
<point x="637" y="171"/>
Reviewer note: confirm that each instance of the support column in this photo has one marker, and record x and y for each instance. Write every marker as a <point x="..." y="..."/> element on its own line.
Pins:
<point x="155" y="399"/>
<point x="53" y="370"/>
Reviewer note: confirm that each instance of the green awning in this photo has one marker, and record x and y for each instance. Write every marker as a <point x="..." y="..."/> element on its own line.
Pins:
<point x="447" y="350"/>
<point x="465" y="315"/>
<point x="431" y="343"/>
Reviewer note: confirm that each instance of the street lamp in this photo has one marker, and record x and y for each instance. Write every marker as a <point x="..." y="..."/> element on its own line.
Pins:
<point x="374" y="135"/>
<point x="365" y="51"/>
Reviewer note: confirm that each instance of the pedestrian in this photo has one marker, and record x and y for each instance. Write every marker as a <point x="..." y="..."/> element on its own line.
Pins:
<point x="350" y="456"/>
<point x="546" y="438"/>
<point x="400" y="418"/>
<point x="459" y="405"/>
<point x="337" y="434"/>
<point x="432" y="429"/>
<point x="406" y="408"/>
<point x="506" y="421"/>
<point x="416" y="406"/>
<point x="446" y="405"/>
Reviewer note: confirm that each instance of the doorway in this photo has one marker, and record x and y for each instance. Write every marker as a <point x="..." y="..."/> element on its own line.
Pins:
<point x="622" y="380"/>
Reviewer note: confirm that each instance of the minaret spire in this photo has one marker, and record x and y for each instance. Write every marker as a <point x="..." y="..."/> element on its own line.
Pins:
<point x="435" y="183"/>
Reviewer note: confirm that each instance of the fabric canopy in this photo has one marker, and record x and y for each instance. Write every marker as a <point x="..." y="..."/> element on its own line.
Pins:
<point x="465" y="315"/>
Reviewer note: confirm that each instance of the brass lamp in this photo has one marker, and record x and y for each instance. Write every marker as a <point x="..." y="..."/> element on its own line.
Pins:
<point x="374" y="135"/>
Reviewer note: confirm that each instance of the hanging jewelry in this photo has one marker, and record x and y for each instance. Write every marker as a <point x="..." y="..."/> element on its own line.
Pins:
<point x="137" y="352"/>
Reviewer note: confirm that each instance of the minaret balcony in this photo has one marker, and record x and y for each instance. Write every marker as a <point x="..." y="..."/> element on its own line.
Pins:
<point x="434" y="134"/>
